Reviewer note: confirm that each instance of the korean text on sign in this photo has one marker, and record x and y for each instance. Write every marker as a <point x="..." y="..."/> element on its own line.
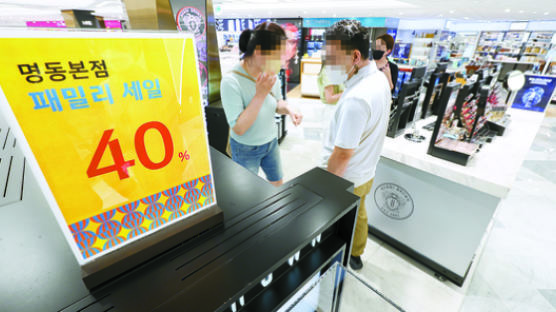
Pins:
<point x="58" y="71"/>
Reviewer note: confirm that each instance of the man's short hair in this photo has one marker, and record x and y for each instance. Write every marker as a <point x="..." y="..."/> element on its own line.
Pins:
<point x="352" y="36"/>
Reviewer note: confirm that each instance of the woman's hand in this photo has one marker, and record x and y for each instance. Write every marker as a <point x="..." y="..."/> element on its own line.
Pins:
<point x="283" y="108"/>
<point x="386" y="71"/>
<point x="296" y="117"/>
<point x="264" y="84"/>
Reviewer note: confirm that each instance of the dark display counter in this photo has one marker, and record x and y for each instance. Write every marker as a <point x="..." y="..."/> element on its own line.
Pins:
<point x="284" y="235"/>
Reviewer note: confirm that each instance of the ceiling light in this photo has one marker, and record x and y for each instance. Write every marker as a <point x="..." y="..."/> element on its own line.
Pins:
<point x="507" y="10"/>
<point x="466" y="18"/>
<point x="546" y="13"/>
<point x="521" y="11"/>
<point x="452" y="11"/>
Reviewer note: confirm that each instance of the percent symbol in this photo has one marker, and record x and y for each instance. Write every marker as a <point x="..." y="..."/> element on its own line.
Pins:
<point x="184" y="156"/>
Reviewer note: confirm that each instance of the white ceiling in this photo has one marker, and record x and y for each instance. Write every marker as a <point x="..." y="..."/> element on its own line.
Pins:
<point x="483" y="10"/>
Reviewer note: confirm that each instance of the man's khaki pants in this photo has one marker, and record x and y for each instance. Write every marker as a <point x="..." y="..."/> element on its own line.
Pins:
<point x="361" y="227"/>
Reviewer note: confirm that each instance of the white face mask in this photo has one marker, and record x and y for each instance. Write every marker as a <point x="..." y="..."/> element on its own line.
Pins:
<point x="336" y="74"/>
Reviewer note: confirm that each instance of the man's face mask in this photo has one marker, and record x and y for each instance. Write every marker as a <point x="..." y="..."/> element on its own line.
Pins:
<point x="339" y="63"/>
<point x="336" y="74"/>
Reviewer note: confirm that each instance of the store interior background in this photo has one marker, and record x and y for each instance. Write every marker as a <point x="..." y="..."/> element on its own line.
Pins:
<point x="516" y="271"/>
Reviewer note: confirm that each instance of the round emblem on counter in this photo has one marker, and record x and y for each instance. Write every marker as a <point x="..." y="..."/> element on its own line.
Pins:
<point x="394" y="201"/>
<point x="192" y="20"/>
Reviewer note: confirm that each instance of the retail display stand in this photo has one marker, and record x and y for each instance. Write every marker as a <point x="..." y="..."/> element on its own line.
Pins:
<point x="400" y="114"/>
<point x="435" y="86"/>
<point x="445" y="121"/>
<point x="405" y="104"/>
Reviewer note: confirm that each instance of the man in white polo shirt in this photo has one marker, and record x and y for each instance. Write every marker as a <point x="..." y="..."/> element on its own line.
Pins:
<point x="354" y="140"/>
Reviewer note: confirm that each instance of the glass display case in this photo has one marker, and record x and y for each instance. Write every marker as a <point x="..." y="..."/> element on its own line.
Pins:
<point x="339" y="290"/>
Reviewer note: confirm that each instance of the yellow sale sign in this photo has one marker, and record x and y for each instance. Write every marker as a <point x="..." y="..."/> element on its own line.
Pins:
<point x="116" y="126"/>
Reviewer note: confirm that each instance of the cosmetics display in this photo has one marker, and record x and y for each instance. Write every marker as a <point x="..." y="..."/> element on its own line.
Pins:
<point x="497" y="119"/>
<point x="402" y="51"/>
<point x="489" y="43"/>
<point x="450" y="139"/>
<point x="435" y="85"/>
<point x="473" y="114"/>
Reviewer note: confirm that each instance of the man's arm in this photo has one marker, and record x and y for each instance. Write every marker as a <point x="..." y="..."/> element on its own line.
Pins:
<point x="339" y="160"/>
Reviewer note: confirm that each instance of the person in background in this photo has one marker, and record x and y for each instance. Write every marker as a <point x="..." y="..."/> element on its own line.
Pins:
<point x="329" y="93"/>
<point x="384" y="45"/>
<point x="251" y="96"/>
<point x="353" y="142"/>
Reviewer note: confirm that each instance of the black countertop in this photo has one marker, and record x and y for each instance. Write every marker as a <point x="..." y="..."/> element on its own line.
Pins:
<point x="263" y="226"/>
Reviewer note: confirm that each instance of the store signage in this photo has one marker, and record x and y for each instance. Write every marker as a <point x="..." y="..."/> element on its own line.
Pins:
<point x="394" y="201"/>
<point x="536" y="93"/>
<point x="365" y="22"/>
<point x="113" y="128"/>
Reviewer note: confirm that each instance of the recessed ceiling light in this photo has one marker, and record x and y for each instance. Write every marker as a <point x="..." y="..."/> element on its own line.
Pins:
<point x="452" y="11"/>
<point x="521" y="11"/>
<point x="546" y="13"/>
<point x="507" y="10"/>
<point x="466" y="18"/>
<point x="401" y="13"/>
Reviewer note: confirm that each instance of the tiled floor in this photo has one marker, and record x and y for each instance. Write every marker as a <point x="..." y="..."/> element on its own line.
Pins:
<point x="517" y="268"/>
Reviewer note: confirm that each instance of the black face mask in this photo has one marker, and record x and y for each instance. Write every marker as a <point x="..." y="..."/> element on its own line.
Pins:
<point x="377" y="54"/>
